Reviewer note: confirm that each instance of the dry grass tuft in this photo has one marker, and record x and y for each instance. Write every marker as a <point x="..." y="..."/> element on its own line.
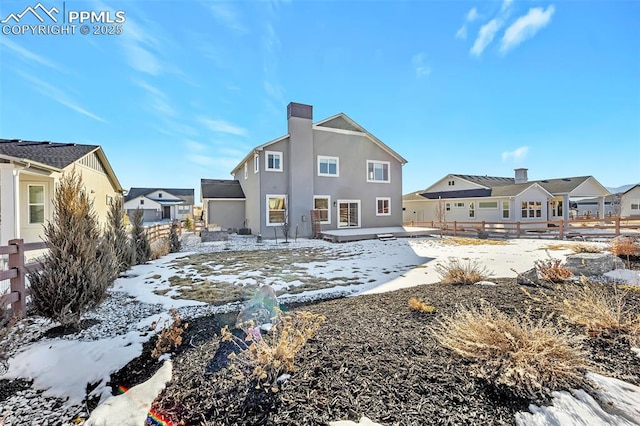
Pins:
<point x="268" y="357"/>
<point x="624" y="246"/>
<point x="462" y="241"/>
<point x="552" y="270"/>
<point x="586" y="248"/>
<point x="557" y="246"/>
<point x="527" y="358"/>
<point x="170" y="336"/>
<point x="420" y="306"/>
<point x="602" y="309"/>
<point x="159" y="248"/>
<point x="457" y="271"/>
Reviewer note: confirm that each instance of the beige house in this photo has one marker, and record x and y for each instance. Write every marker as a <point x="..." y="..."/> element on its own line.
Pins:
<point x="625" y="204"/>
<point x="470" y="198"/>
<point x="29" y="172"/>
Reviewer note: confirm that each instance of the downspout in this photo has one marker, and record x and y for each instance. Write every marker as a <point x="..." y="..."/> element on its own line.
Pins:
<point x="16" y="197"/>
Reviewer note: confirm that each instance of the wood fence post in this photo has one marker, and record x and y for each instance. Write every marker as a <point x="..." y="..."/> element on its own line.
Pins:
<point x="16" y="261"/>
<point x="518" y="229"/>
<point x="483" y="225"/>
<point x="455" y="228"/>
<point x="562" y="229"/>
<point x="617" y="226"/>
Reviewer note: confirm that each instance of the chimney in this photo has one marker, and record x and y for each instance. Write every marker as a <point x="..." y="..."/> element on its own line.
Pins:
<point x="299" y="110"/>
<point x="521" y="175"/>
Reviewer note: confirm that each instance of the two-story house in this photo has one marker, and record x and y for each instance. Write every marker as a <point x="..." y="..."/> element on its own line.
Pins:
<point x="335" y="167"/>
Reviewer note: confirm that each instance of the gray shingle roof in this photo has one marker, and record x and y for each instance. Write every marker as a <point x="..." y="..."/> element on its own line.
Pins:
<point x="57" y="155"/>
<point x="221" y="188"/>
<point x="184" y="194"/>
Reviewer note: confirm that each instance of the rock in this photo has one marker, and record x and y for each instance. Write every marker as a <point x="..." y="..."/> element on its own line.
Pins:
<point x="263" y="308"/>
<point x="488" y="283"/>
<point x="207" y="236"/>
<point x="529" y="277"/>
<point x="592" y="264"/>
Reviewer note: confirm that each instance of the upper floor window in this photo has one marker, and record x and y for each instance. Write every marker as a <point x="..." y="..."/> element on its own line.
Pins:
<point x="256" y="163"/>
<point x="378" y="171"/>
<point x="159" y="194"/>
<point x="141" y="202"/>
<point x="451" y="182"/>
<point x="273" y="161"/>
<point x="36" y="204"/>
<point x="246" y="170"/>
<point x="328" y="166"/>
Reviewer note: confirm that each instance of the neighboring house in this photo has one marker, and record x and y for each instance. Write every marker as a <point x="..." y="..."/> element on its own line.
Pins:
<point x="159" y="204"/>
<point x="29" y="172"/>
<point x="223" y="203"/>
<point x="468" y="198"/>
<point x="623" y="204"/>
<point x="333" y="166"/>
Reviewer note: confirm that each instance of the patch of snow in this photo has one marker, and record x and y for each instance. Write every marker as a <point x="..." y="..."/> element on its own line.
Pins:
<point x="364" y="421"/>
<point x="625" y="275"/>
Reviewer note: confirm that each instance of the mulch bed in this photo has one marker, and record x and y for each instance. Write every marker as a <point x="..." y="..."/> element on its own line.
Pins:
<point x="373" y="356"/>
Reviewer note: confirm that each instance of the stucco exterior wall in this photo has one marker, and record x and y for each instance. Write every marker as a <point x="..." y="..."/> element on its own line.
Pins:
<point x="226" y="213"/>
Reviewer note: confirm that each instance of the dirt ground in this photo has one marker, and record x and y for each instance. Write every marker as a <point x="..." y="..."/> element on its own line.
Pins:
<point x="373" y="356"/>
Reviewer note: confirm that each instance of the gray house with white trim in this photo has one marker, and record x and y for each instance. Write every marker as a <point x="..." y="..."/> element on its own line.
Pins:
<point x="334" y="166"/>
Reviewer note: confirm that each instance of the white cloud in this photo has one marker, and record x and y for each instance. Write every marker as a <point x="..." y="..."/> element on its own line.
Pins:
<point x="226" y="14"/>
<point x="517" y="154"/>
<point x="221" y="126"/>
<point x="418" y="62"/>
<point x="485" y="36"/>
<point x="526" y="27"/>
<point x="158" y="100"/>
<point x="472" y="15"/>
<point x="505" y="5"/>
<point x="27" y="54"/>
<point x="58" y="95"/>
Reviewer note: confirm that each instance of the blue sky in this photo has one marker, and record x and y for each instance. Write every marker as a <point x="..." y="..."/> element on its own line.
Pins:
<point x="190" y="87"/>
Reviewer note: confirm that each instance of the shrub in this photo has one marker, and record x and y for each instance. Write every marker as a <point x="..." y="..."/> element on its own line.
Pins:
<point x="170" y="336"/>
<point x="602" y="309"/>
<point x="526" y="358"/>
<point x="624" y="246"/>
<point x="141" y="251"/>
<point x="420" y="306"/>
<point x="552" y="271"/>
<point x="117" y="234"/>
<point x="174" y="238"/>
<point x="80" y="264"/>
<point x="159" y="248"/>
<point x="586" y="248"/>
<point x="459" y="272"/>
<point x="268" y="357"/>
<point x="188" y="223"/>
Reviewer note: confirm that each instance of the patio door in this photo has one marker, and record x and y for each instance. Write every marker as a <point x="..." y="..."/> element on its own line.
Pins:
<point x="348" y="213"/>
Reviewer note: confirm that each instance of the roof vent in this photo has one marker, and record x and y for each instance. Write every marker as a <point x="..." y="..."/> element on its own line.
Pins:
<point x="566" y="179"/>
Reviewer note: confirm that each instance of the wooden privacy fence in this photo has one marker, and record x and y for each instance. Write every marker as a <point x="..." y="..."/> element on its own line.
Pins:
<point x="161" y="230"/>
<point x="16" y="273"/>
<point x="607" y="227"/>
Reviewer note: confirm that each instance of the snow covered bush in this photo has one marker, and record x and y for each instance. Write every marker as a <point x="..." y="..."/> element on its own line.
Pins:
<point x="79" y="265"/>
<point x="526" y="358"/>
<point x="457" y="271"/>
<point x="117" y="235"/>
<point x="141" y="251"/>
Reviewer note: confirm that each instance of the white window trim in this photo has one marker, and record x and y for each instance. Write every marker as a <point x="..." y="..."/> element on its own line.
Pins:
<point x="507" y="209"/>
<point x="256" y="163"/>
<point x="328" y="197"/>
<point x="379" y="162"/>
<point x="456" y="206"/>
<point x="472" y="208"/>
<point x="634" y="202"/>
<point x="324" y="157"/>
<point x="447" y="207"/>
<point x="266" y="161"/>
<point x="359" y="202"/>
<point x="246" y="170"/>
<point x="286" y="202"/>
<point x="44" y="204"/>
<point x="388" y="199"/>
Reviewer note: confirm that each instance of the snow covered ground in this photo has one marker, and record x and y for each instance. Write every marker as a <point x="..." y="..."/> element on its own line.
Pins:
<point x="61" y="367"/>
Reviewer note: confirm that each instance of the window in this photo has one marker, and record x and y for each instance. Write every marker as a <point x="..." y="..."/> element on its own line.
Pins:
<point x="505" y="210"/>
<point x="141" y="202"/>
<point x="451" y="182"/>
<point x="36" y="204"/>
<point x="246" y="170"/>
<point x="321" y="203"/>
<point x="635" y="204"/>
<point x="273" y="161"/>
<point x="487" y="204"/>
<point x="328" y="166"/>
<point x="458" y="205"/>
<point x="378" y="171"/>
<point x="531" y="209"/>
<point x="349" y="213"/>
<point x="276" y="209"/>
<point x="383" y="206"/>
<point x="256" y="163"/>
<point x="447" y="207"/>
<point x="184" y="209"/>
<point x="472" y="210"/>
<point x="159" y="194"/>
<point x="109" y="200"/>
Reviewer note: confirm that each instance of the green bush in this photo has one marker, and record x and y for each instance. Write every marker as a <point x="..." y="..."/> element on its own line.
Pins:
<point x="117" y="234"/>
<point x="141" y="252"/>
